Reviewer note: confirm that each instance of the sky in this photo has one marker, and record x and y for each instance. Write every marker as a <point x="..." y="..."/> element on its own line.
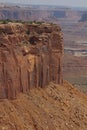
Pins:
<point x="74" y="3"/>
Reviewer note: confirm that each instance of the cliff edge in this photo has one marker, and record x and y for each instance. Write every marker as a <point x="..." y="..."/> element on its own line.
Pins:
<point x="31" y="59"/>
<point x="30" y="56"/>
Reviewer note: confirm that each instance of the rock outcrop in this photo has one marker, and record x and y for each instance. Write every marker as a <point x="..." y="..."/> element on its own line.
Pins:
<point x="30" y="56"/>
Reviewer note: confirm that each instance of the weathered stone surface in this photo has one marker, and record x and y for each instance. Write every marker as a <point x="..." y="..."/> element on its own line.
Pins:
<point x="30" y="56"/>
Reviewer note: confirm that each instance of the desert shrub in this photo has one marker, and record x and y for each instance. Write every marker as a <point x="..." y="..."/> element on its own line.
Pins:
<point x="5" y="21"/>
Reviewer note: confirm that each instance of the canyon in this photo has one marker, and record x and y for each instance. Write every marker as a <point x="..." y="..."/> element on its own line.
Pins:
<point x="34" y="93"/>
<point x="74" y="28"/>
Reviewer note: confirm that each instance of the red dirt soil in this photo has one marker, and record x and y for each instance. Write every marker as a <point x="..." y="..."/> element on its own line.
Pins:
<point x="54" y="107"/>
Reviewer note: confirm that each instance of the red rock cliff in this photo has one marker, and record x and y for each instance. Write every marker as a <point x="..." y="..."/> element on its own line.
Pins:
<point x="30" y="56"/>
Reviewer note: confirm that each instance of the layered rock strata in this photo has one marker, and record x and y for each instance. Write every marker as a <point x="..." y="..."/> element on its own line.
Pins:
<point x="30" y="56"/>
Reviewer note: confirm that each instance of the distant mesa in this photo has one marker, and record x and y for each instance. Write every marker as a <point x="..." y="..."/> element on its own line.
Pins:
<point x="83" y="18"/>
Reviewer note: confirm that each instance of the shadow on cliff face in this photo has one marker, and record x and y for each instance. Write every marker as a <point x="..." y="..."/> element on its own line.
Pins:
<point x="33" y="40"/>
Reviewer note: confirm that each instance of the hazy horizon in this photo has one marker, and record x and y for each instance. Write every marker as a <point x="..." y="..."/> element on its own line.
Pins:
<point x="74" y="3"/>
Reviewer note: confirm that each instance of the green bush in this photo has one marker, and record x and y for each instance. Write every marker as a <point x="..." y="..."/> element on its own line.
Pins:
<point x="6" y="21"/>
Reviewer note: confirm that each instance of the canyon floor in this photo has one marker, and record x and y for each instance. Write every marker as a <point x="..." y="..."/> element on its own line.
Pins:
<point x="54" y="107"/>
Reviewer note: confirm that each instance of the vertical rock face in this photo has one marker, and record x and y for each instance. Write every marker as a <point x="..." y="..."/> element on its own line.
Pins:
<point x="30" y="56"/>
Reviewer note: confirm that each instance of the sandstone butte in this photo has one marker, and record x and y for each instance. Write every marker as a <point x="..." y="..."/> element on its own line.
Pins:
<point x="31" y="74"/>
<point x="30" y="56"/>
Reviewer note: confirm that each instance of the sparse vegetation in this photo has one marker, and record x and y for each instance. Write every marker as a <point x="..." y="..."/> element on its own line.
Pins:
<point x="35" y="22"/>
<point x="6" y="21"/>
